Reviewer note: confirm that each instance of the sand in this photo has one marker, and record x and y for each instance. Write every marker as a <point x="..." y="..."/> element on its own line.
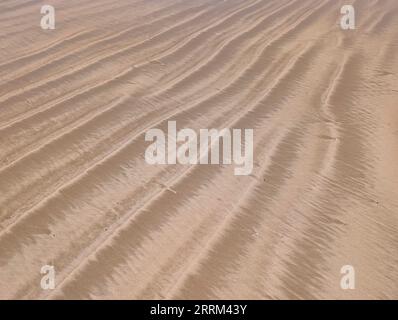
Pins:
<point x="77" y="194"/>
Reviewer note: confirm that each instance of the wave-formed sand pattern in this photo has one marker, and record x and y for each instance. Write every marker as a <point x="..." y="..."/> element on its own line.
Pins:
<point x="76" y="192"/>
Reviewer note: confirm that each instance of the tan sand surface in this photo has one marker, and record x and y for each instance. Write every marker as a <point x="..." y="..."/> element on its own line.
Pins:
<point x="77" y="194"/>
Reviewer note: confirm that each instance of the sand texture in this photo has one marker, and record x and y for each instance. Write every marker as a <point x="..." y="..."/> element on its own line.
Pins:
<point x="76" y="192"/>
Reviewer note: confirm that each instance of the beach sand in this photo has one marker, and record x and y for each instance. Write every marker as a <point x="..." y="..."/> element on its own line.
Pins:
<point x="77" y="194"/>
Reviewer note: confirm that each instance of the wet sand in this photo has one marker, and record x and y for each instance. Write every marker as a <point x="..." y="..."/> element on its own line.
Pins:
<point x="76" y="192"/>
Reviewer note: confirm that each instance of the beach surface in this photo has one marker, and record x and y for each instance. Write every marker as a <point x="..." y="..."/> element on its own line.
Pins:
<point x="77" y="194"/>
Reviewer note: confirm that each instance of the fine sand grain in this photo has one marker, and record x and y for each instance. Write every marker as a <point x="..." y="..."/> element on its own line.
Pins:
<point x="77" y="194"/>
